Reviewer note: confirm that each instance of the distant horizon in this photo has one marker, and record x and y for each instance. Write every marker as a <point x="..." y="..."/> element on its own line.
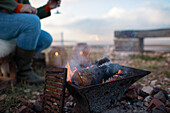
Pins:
<point x="58" y="42"/>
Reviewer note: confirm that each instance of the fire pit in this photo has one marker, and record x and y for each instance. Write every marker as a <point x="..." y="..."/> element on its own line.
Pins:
<point x="108" y="83"/>
<point x="99" y="97"/>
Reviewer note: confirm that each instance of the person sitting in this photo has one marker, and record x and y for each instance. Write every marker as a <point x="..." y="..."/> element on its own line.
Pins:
<point x="20" y="20"/>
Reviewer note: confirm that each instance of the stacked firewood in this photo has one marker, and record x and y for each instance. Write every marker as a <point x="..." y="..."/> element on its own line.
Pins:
<point x="101" y="71"/>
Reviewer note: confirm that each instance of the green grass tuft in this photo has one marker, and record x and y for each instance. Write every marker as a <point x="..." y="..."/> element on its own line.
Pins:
<point x="146" y="57"/>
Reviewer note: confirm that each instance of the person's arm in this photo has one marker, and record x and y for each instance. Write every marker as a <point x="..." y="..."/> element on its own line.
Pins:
<point x="13" y="6"/>
<point x="8" y="5"/>
<point x="44" y="11"/>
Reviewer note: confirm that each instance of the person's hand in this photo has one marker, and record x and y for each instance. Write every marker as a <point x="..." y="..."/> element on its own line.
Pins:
<point x="54" y="3"/>
<point x="26" y="8"/>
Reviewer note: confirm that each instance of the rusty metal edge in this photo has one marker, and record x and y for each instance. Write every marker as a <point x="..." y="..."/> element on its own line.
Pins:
<point x="58" y="70"/>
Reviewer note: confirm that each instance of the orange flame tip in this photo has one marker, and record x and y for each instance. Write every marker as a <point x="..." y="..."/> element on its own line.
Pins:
<point x="119" y="72"/>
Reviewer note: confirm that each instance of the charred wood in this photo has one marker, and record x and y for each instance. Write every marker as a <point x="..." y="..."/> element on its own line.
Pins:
<point x="92" y="76"/>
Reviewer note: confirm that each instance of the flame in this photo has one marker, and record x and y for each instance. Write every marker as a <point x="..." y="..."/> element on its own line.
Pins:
<point x="92" y="66"/>
<point x="56" y="53"/>
<point x="95" y="37"/>
<point x="119" y="72"/>
<point x="81" y="52"/>
<point x="102" y="80"/>
<point x="69" y="71"/>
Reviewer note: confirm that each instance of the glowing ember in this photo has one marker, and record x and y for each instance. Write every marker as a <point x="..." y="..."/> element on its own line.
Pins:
<point x="102" y="80"/>
<point x="56" y="53"/>
<point x="119" y="72"/>
<point x="71" y="72"/>
<point x="92" y="66"/>
<point x="81" y="52"/>
<point x="87" y="67"/>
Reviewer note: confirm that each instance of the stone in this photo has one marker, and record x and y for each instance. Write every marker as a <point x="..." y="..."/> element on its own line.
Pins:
<point x="160" y="95"/>
<point x="139" y="104"/>
<point x="22" y="109"/>
<point x="3" y="97"/>
<point x="142" y="93"/>
<point x="25" y="103"/>
<point x="153" y="83"/>
<point x="156" y="111"/>
<point x="36" y="93"/>
<point x="147" y="100"/>
<point x="69" y="104"/>
<point x="140" y="98"/>
<point x="159" y="86"/>
<point x="32" y="101"/>
<point x="131" y="94"/>
<point x="111" y="111"/>
<point x="147" y="89"/>
<point x="168" y="89"/>
<point x="155" y="91"/>
<point x="27" y="90"/>
<point x="135" y="111"/>
<point x="167" y="102"/>
<point x="166" y="79"/>
<point x="130" y="107"/>
<point x="36" y="108"/>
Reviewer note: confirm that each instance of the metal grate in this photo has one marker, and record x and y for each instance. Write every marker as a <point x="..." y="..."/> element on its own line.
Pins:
<point x="54" y="90"/>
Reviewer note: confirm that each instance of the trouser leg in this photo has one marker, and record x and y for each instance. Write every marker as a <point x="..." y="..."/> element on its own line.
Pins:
<point x="44" y="41"/>
<point x="25" y="27"/>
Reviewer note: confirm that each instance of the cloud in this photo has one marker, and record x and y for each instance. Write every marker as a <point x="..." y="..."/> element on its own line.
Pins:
<point x="150" y="16"/>
<point x="119" y="18"/>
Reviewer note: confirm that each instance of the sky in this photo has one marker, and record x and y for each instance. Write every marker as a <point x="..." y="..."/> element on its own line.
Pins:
<point x="94" y="21"/>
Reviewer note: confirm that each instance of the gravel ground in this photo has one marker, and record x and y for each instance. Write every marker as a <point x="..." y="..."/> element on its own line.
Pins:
<point x="14" y="98"/>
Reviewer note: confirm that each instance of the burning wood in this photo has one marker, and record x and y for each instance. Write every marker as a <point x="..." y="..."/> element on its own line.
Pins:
<point x="102" y="71"/>
<point x="102" y="61"/>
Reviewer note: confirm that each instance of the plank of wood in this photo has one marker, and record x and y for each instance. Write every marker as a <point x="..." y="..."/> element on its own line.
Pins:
<point x="127" y="44"/>
<point x="142" y="33"/>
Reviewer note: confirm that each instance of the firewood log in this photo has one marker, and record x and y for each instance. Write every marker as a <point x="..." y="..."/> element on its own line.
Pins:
<point x="92" y="76"/>
<point x="97" y="63"/>
<point x="102" y="61"/>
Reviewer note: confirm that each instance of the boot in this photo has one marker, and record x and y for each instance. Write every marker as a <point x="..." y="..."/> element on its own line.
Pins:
<point x="24" y="67"/>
